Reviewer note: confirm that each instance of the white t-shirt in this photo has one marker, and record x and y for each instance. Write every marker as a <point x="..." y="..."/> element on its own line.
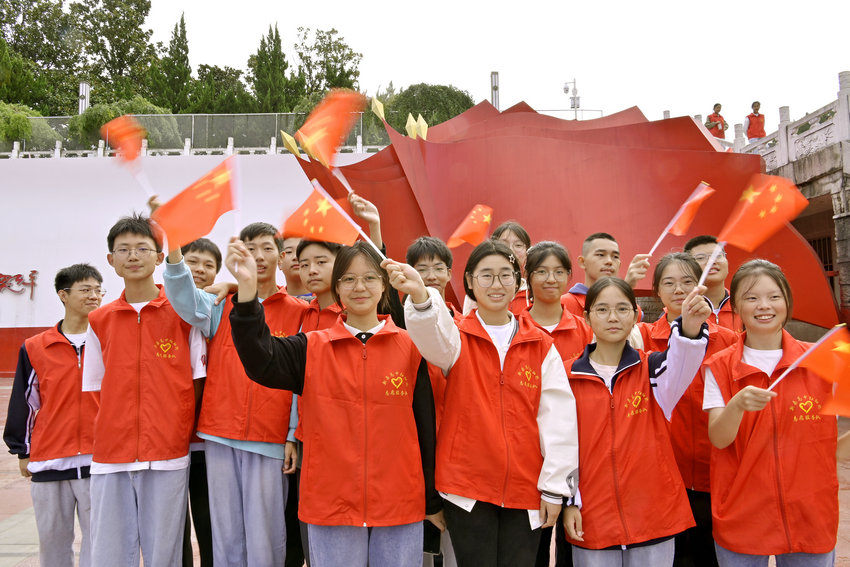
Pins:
<point x="605" y="372"/>
<point x="76" y="339"/>
<point x="764" y="360"/>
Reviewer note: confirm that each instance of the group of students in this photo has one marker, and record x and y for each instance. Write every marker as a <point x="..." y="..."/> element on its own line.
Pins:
<point x="329" y="421"/>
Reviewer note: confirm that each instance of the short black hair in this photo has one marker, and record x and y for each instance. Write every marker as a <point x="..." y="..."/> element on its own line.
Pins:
<point x="332" y="247"/>
<point x="136" y="223"/>
<point x="67" y="277"/>
<point x="538" y="254"/>
<point x="755" y="102"/>
<point x="489" y="248"/>
<point x="596" y="236"/>
<point x="257" y="229"/>
<point x="683" y="259"/>
<point x="429" y="247"/>
<point x="699" y="241"/>
<point x="204" y="245"/>
<point x="601" y="284"/>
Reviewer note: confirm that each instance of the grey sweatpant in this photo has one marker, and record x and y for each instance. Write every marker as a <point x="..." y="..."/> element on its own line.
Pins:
<point x="140" y="508"/>
<point x="54" y="503"/>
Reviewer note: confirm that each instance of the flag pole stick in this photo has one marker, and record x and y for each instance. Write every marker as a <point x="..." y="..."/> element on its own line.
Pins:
<point x="711" y="259"/>
<point x="341" y="211"/>
<point x="142" y="179"/>
<point x="338" y="174"/>
<point x="809" y="351"/>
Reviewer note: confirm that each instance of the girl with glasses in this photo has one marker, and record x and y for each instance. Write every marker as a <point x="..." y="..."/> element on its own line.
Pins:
<point x="368" y="421"/>
<point x="676" y="275"/>
<point x="506" y="449"/>
<point x="632" y="499"/>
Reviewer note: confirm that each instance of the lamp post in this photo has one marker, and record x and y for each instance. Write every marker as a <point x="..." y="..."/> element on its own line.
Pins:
<point x="575" y="102"/>
<point x="494" y="89"/>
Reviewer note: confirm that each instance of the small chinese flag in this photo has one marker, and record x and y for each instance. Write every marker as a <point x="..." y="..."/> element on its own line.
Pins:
<point x="126" y="134"/>
<point x="193" y="212"/>
<point x="319" y="219"/>
<point x="765" y="206"/>
<point x="830" y="359"/>
<point x="474" y="227"/>
<point x="839" y="404"/>
<point x="688" y="211"/>
<point x="329" y="124"/>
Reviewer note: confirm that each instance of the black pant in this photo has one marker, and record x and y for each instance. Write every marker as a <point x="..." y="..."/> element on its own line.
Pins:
<point x="294" y="548"/>
<point x="491" y="536"/>
<point x="695" y="546"/>
<point x="199" y="499"/>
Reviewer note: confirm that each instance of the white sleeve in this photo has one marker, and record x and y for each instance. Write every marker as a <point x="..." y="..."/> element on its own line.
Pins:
<point x="683" y="359"/>
<point x="197" y="353"/>
<point x="746" y="125"/>
<point x="711" y="397"/>
<point x="93" y="368"/>
<point x="433" y="331"/>
<point x="558" y="426"/>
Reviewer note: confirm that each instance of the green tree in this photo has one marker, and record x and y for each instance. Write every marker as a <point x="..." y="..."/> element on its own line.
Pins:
<point x="161" y="132"/>
<point x="171" y="76"/>
<point x="22" y="123"/>
<point x="267" y="74"/>
<point x="374" y="133"/>
<point x="436" y="104"/>
<point x="17" y="77"/>
<point x="326" y="61"/>
<point x="220" y="91"/>
<point x="117" y="46"/>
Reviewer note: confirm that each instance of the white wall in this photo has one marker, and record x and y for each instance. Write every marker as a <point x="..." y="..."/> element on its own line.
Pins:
<point x="57" y="212"/>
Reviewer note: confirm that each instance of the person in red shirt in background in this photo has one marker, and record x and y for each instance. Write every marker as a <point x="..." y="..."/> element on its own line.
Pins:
<point x="701" y="248"/>
<point x="716" y="124"/>
<point x="754" y="124"/>
<point x="291" y="268"/>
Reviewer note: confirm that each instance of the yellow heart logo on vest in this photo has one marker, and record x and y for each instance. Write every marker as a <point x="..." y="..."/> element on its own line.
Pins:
<point x="165" y="347"/>
<point x="397" y="381"/>
<point x="806" y="406"/>
<point x="636" y="400"/>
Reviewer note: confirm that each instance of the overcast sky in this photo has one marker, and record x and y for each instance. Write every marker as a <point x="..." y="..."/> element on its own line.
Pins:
<point x="658" y="55"/>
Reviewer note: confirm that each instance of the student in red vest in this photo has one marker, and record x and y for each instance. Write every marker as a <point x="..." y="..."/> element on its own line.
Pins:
<point x="632" y="501"/>
<point x="675" y="276"/>
<point x="701" y="247"/>
<point x="774" y="483"/>
<point x="600" y="257"/>
<point x="148" y="366"/>
<point x="50" y="420"/>
<point x="507" y="451"/>
<point x="716" y="124"/>
<point x="549" y="269"/>
<point x="754" y="124"/>
<point x="368" y="463"/>
<point x="291" y="269"/>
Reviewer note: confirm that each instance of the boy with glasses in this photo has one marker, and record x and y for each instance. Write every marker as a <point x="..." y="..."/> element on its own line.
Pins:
<point x="701" y="248"/>
<point x="50" y="421"/>
<point x="148" y="366"/>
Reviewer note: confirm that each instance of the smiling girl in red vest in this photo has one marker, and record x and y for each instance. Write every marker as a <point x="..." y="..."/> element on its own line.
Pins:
<point x="506" y="452"/>
<point x="368" y="420"/>
<point x="675" y="276"/>
<point x="548" y="268"/>
<point x="774" y="485"/>
<point x="632" y="499"/>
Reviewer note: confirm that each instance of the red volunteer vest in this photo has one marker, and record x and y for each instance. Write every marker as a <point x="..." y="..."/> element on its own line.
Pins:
<point x="234" y="406"/>
<point x="775" y="488"/>
<point x="488" y="446"/>
<point x="689" y="424"/>
<point x="717" y="131"/>
<point x="519" y="303"/>
<point x="571" y="335"/>
<point x="631" y="490"/>
<point x="574" y="303"/>
<point x="362" y="465"/>
<point x="756" y="126"/>
<point x="64" y="425"/>
<point x="147" y="399"/>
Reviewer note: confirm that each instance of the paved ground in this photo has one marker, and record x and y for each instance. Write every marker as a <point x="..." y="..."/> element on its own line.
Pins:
<point x="19" y="540"/>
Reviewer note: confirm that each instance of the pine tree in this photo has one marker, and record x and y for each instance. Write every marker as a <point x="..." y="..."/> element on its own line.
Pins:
<point x="267" y="74"/>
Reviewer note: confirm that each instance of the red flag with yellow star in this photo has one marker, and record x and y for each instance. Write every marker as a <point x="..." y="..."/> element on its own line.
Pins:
<point x="765" y="206"/>
<point x="126" y="134"/>
<point x="474" y="227"/>
<point x="329" y="124"/>
<point x="193" y="212"/>
<point x="830" y="359"/>
<point x="839" y="404"/>
<point x="318" y="219"/>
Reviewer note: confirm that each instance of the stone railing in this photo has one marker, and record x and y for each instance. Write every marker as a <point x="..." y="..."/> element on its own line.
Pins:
<point x="800" y="138"/>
